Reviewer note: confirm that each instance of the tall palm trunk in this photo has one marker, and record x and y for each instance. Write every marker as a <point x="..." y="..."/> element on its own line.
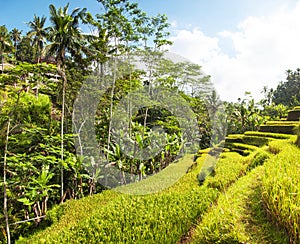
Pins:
<point x="5" y="184"/>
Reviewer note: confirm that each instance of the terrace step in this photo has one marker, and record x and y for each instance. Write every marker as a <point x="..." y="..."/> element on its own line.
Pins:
<point x="294" y="114"/>
<point x="284" y="129"/>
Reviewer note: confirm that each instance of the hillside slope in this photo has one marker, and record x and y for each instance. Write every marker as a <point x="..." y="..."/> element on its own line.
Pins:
<point x="233" y="205"/>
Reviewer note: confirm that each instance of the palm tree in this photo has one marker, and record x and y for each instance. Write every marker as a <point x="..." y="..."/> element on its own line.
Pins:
<point x="65" y="38"/>
<point x="38" y="32"/>
<point x="15" y="36"/>
<point x="5" y="43"/>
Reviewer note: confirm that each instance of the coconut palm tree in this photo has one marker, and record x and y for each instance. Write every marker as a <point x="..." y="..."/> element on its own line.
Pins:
<point x="65" y="39"/>
<point x="15" y="36"/>
<point x="5" y="44"/>
<point x="38" y="33"/>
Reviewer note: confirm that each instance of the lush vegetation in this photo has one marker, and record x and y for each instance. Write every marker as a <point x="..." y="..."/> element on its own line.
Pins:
<point x="239" y="202"/>
<point x="261" y="207"/>
<point x="46" y="157"/>
<point x="280" y="189"/>
<point x="79" y="115"/>
<point x="162" y="217"/>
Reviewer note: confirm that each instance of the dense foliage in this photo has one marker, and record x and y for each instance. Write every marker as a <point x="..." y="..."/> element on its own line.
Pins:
<point x="45" y="153"/>
<point x="41" y="75"/>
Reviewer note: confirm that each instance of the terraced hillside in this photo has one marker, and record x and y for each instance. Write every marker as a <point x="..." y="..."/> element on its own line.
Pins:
<point x="286" y="125"/>
<point x="251" y="196"/>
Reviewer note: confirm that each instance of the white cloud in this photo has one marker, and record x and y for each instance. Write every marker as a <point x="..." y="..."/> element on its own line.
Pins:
<point x="265" y="47"/>
<point x="195" y="45"/>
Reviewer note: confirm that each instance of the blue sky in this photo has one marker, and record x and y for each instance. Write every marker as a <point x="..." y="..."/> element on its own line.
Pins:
<point x="212" y="16"/>
<point x="243" y="44"/>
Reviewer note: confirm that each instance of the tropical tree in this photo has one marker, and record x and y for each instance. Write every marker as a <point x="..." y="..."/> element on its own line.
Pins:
<point x="38" y="32"/>
<point x="15" y="36"/>
<point x="65" y="38"/>
<point x="25" y="51"/>
<point x="288" y="92"/>
<point x="114" y="27"/>
<point x="5" y="43"/>
<point x="5" y="208"/>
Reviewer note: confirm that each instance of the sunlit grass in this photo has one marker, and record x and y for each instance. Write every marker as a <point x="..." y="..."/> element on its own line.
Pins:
<point x="281" y="189"/>
<point x="239" y="216"/>
<point x="160" y="181"/>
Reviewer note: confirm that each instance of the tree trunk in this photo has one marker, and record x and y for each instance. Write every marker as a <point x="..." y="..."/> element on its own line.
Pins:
<point x="2" y="62"/>
<point x="44" y="205"/>
<point x="111" y="109"/>
<point x="62" y="138"/>
<point x="64" y="78"/>
<point x="111" y="105"/>
<point x="5" y="183"/>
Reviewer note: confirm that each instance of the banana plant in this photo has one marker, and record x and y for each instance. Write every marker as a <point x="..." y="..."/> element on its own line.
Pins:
<point x="38" y="191"/>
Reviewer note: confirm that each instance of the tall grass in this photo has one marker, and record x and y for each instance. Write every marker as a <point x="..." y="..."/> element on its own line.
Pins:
<point x="164" y="217"/>
<point x="239" y="216"/>
<point x="281" y="189"/>
<point x="158" y="218"/>
<point x="298" y="135"/>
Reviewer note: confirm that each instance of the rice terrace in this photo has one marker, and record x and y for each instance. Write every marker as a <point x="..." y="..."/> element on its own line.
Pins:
<point x="107" y="135"/>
